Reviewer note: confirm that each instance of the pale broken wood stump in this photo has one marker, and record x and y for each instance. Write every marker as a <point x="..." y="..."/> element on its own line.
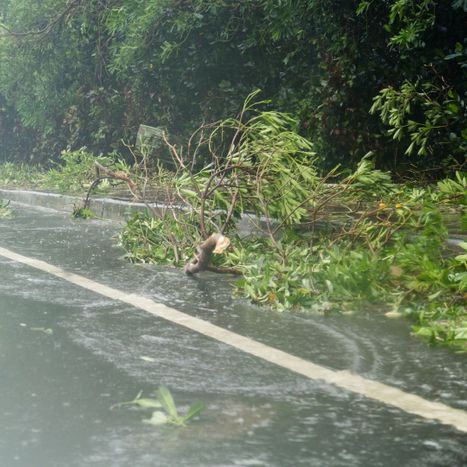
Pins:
<point x="214" y="244"/>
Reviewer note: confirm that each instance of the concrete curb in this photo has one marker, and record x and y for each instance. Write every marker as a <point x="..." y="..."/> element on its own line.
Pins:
<point x="106" y="208"/>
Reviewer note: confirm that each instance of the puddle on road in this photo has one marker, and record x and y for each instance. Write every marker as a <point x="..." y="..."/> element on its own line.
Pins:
<point x="57" y="388"/>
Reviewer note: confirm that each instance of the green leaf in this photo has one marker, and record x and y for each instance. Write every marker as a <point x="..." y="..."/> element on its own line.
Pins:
<point x="194" y="410"/>
<point x="166" y="399"/>
<point x="142" y="402"/>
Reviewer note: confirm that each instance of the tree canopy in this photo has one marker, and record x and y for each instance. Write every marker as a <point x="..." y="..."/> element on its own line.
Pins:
<point x="382" y="76"/>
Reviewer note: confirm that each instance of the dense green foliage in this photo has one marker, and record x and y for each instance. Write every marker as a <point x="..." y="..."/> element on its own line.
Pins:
<point x="267" y="170"/>
<point x="363" y="243"/>
<point x="75" y="73"/>
<point x="393" y="259"/>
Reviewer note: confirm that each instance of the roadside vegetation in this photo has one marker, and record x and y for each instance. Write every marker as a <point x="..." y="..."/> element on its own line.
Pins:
<point x="351" y="170"/>
<point x="71" y="173"/>
<point x="344" y="242"/>
<point x="80" y="73"/>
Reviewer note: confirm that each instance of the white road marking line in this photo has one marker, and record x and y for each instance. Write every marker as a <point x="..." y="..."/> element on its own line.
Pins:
<point x="343" y="379"/>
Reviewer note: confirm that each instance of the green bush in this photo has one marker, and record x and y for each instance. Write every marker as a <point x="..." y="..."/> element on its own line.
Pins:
<point x="75" y="171"/>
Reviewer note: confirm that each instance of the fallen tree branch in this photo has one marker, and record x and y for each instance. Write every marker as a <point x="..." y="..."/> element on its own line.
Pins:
<point x="90" y="190"/>
<point x="224" y="270"/>
<point x="216" y="243"/>
<point x="104" y="172"/>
